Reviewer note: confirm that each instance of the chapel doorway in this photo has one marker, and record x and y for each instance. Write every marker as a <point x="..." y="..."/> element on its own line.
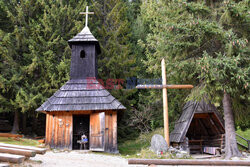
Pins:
<point x="80" y="127"/>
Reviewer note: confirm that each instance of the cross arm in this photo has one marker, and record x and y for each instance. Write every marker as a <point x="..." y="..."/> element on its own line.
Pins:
<point x="164" y="86"/>
<point x="86" y="12"/>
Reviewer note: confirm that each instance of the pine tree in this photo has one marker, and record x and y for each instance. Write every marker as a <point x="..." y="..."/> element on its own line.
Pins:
<point x="116" y="60"/>
<point x="35" y="54"/>
<point x="204" y="44"/>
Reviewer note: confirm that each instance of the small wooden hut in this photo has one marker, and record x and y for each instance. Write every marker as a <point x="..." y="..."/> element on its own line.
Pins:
<point x="82" y="105"/>
<point x="202" y="126"/>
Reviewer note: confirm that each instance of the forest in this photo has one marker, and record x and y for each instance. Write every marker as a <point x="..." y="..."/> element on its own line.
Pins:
<point x="204" y="43"/>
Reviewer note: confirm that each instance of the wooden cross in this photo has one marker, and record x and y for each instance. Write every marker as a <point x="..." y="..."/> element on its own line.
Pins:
<point x="87" y="13"/>
<point x="164" y="88"/>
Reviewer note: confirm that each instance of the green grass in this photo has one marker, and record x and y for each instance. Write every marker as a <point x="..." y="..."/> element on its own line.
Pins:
<point x="20" y="141"/>
<point x="245" y="134"/>
<point x="139" y="147"/>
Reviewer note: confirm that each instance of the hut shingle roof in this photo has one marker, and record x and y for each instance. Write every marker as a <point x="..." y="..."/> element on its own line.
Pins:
<point x="190" y="108"/>
<point x="78" y="95"/>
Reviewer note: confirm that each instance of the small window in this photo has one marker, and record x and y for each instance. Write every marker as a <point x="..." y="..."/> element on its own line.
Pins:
<point x="82" y="54"/>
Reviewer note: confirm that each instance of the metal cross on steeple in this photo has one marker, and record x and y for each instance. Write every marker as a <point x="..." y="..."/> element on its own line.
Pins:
<point x="87" y="13"/>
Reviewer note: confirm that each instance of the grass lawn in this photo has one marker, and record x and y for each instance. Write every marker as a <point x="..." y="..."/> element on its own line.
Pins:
<point x="20" y="141"/>
<point x="245" y="134"/>
<point x="138" y="147"/>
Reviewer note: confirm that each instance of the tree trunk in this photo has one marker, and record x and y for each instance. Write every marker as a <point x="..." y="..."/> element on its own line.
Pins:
<point x="15" y="127"/>
<point x="231" y="143"/>
<point x="34" y="125"/>
<point x="24" y="123"/>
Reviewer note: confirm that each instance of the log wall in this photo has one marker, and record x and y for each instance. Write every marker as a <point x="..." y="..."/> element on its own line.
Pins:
<point x="59" y="129"/>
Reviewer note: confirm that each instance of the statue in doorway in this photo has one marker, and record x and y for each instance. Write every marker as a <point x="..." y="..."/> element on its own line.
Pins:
<point x="84" y="141"/>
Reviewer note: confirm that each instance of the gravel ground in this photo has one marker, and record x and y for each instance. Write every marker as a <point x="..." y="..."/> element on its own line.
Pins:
<point x="83" y="159"/>
<point x="77" y="159"/>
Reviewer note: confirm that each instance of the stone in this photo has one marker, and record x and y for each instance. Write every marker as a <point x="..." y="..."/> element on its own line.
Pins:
<point x="235" y="158"/>
<point x="179" y="155"/>
<point x="184" y="144"/>
<point x="182" y="154"/>
<point x="158" y="144"/>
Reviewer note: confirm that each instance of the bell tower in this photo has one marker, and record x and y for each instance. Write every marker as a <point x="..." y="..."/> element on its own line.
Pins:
<point x="85" y="48"/>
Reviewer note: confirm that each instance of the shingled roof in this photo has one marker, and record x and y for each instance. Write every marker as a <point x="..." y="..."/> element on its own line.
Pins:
<point x="78" y="95"/>
<point x="85" y="36"/>
<point x="190" y="108"/>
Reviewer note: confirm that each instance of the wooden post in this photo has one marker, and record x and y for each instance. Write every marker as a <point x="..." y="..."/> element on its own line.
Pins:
<point x="189" y="162"/>
<point x="248" y="143"/>
<point x="164" y="88"/>
<point x="165" y="102"/>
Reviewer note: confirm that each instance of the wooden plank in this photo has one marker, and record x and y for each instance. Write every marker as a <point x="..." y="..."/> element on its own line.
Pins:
<point x="201" y="115"/>
<point x="36" y="149"/>
<point x="52" y="142"/>
<point x="17" y="151"/>
<point x="164" y="86"/>
<point x="115" y="130"/>
<point x="106" y="130"/>
<point x="4" y="165"/>
<point x="47" y="128"/>
<point x="55" y="131"/>
<point x="10" y="135"/>
<point x="110" y="130"/>
<point x="97" y="129"/>
<point x="67" y="137"/>
<point x="11" y="158"/>
<point x="189" y="162"/>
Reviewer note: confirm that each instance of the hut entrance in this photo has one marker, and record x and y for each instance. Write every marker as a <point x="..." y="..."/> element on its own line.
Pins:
<point x="80" y="127"/>
<point x="205" y="134"/>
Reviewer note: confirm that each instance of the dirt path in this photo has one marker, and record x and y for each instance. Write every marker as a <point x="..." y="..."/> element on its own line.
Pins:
<point x="76" y="159"/>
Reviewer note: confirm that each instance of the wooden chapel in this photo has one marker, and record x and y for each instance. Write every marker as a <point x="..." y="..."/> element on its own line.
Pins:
<point x="82" y="105"/>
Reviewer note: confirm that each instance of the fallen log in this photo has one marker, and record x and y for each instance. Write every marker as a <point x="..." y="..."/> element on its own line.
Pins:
<point x="10" y="135"/>
<point x="188" y="162"/>
<point x="17" y="151"/>
<point x="11" y="158"/>
<point x="4" y="165"/>
<point x="36" y="149"/>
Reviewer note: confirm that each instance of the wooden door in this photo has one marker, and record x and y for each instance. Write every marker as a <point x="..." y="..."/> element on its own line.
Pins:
<point x="97" y="129"/>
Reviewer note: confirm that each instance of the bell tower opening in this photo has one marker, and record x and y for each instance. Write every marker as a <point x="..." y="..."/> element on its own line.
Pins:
<point x="82" y="54"/>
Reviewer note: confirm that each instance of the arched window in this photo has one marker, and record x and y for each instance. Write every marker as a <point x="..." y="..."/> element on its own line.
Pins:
<point x="82" y="54"/>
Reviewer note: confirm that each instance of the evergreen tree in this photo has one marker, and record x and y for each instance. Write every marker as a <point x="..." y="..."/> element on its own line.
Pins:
<point x="35" y="54"/>
<point x="116" y="60"/>
<point x="211" y="37"/>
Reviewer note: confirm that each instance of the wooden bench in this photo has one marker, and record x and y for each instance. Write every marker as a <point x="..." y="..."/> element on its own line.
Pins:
<point x="194" y="147"/>
<point x="197" y="145"/>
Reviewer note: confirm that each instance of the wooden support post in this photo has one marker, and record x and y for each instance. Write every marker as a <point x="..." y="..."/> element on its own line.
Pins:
<point x="165" y="102"/>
